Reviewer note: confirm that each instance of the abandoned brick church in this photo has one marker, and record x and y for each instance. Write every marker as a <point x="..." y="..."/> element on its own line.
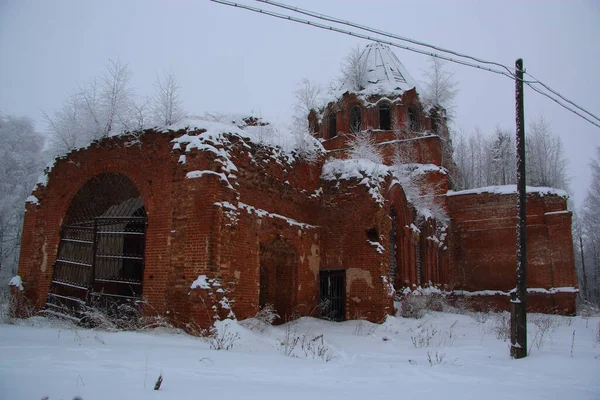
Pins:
<point x="202" y="219"/>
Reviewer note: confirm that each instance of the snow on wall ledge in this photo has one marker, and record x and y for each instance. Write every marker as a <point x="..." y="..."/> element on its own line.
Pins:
<point x="567" y="289"/>
<point x="369" y="174"/>
<point x="510" y="189"/>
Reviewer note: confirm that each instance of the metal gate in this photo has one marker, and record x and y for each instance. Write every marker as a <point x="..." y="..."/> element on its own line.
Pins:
<point x="99" y="263"/>
<point x="333" y="293"/>
<point x="100" y="259"/>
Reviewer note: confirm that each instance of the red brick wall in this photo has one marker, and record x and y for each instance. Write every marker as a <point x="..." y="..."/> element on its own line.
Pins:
<point x="483" y="243"/>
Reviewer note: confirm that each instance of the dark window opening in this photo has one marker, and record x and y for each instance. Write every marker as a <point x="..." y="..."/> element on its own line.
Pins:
<point x="355" y="120"/>
<point x="385" y="118"/>
<point x="413" y="119"/>
<point x="373" y="235"/>
<point x="332" y="125"/>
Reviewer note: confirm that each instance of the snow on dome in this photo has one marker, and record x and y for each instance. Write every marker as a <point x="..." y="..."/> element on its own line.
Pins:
<point x="385" y="73"/>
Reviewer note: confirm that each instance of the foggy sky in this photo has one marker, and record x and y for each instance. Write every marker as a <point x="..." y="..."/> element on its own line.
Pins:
<point x="232" y="60"/>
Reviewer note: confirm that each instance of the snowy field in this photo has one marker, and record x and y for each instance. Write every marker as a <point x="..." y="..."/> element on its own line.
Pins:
<point x="441" y="356"/>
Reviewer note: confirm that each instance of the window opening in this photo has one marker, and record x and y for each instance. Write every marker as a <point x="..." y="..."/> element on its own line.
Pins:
<point x="413" y="119"/>
<point x="385" y="120"/>
<point x="355" y="120"/>
<point x="332" y="125"/>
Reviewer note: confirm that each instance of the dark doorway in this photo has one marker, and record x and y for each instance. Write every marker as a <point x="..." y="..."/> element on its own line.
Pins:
<point x="278" y="264"/>
<point x="333" y="294"/>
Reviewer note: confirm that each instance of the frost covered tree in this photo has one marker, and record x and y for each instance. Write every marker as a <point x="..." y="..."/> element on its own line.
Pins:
<point x="363" y="146"/>
<point x="167" y="107"/>
<point x="354" y="70"/>
<point x="485" y="161"/>
<point x="546" y="162"/>
<point x="441" y="87"/>
<point x="307" y="97"/>
<point x="101" y="108"/>
<point x="503" y="153"/>
<point x="21" y="161"/>
<point x="590" y="226"/>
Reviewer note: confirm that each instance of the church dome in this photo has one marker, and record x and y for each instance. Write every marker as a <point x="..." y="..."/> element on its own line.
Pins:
<point x="380" y="72"/>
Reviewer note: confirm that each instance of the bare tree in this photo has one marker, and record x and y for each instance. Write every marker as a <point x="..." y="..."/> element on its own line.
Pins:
<point x="503" y="154"/>
<point x="354" y="70"/>
<point x="167" y="106"/>
<point x="546" y="162"/>
<point x="590" y="222"/>
<point x="101" y="108"/>
<point x="440" y="87"/>
<point x="307" y="98"/>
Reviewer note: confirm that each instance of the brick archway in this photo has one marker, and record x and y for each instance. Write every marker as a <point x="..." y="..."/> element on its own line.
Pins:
<point x="100" y="256"/>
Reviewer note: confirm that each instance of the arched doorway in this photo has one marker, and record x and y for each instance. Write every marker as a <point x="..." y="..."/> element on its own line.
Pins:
<point x="100" y="259"/>
<point x="278" y="264"/>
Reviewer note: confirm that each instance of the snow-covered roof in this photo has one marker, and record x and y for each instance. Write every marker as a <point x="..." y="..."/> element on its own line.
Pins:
<point x="385" y="74"/>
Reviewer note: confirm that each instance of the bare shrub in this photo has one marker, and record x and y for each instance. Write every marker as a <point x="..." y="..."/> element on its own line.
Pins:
<point x="501" y="326"/>
<point x="481" y="317"/>
<point x="363" y="327"/>
<point x="315" y="347"/>
<point x="546" y="325"/>
<point x="412" y="306"/>
<point x="294" y="344"/>
<point x="433" y="337"/>
<point x="221" y="338"/>
<point x="14" y="307"/>
<point x="263" y="319"/>
<point x="290" y="340"/>
<point x="323" y="310"/>
<point x="436" y="358"/>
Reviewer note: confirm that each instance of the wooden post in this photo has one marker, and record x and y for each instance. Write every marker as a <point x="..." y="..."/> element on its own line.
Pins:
<point x="518" y="340"/>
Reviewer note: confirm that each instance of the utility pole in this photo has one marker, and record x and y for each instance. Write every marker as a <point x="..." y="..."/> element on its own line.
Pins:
<point x="518" y="302"/>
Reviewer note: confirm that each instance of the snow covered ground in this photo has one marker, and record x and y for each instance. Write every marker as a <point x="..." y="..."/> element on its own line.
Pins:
<point x="469" y="360"/>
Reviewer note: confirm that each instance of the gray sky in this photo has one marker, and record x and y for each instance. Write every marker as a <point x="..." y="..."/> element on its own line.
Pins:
<point x="232" y="60"/>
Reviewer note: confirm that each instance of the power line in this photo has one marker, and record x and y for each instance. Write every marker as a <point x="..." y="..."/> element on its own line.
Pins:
<point x="358" y="35"/>
<point x="508" y="74"/>
<point x="437" y="48"/>
<point x="537" y="81"/>
<point x="530" y="84"/>
<point x="382" y="33"/>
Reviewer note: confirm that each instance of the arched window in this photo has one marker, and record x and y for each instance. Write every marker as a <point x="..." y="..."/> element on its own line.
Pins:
<point x="413" y="119"/>
<point x="332" y="125"/>
<point x="385" y="118"/>
<point x="355" y="120"/>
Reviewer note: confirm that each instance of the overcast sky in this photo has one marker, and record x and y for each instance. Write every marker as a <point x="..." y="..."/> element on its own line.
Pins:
<point x="232" y="60"/>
